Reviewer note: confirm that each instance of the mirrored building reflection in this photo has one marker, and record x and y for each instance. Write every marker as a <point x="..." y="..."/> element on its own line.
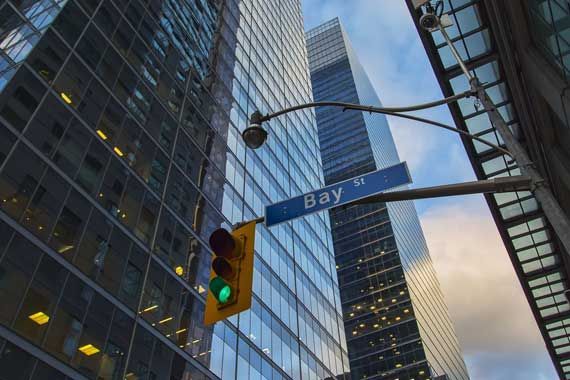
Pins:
<point x="119" y="155"/>
<point x="396" y="320"/>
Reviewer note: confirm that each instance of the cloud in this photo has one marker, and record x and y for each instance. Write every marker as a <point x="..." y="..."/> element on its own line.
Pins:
<point x="493" y="321"/>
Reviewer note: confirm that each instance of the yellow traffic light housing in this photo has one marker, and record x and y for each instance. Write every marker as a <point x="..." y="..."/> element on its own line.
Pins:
<point x="231" y="276"/>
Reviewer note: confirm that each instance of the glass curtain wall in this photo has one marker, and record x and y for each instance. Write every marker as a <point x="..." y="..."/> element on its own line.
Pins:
<point x="396" y="322"/>
<point x="119" y="155"/>
<point x="295" y="322"/>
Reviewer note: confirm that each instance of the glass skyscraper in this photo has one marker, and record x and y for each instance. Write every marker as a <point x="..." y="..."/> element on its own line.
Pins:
<point x="396" y="321"/>
<point x="119" y="155"/>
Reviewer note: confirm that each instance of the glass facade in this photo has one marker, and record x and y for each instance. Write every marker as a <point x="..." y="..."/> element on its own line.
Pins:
<point x="119" y="155"/>
<point x="396" y="321"/>
<point x="551" y="31"/>
<point x="530" y="240"/>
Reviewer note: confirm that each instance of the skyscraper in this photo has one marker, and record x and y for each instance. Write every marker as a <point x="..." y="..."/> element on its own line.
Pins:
<point x="519" y="50"/>
<point x="396" y="321"/>
<point x="119" y="155"/>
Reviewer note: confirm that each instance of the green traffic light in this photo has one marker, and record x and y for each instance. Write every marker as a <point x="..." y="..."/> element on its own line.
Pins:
<point x="220" y="289"/>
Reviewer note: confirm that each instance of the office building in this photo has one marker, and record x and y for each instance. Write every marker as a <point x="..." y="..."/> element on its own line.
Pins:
<point x="396" y="321"/>
<point x="519" y="50"/>
<point x="119" y="155"/>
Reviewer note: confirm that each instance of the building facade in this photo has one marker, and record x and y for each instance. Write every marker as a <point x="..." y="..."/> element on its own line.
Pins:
<point x="119" y="155"/>
<point x="396" y="321"/>
<point x="519" y="50"/>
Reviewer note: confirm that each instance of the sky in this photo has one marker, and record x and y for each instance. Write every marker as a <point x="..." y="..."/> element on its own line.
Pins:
<point x="497" y="333"/>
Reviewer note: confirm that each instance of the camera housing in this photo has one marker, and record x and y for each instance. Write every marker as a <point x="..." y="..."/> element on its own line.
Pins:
<point x="429" y="22"/>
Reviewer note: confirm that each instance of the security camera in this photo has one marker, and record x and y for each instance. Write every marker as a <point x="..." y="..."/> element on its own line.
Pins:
<point x="429" y="22"/>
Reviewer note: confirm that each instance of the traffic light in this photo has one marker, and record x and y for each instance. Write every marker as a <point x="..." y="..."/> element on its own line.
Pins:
<point x="231" y="275"/>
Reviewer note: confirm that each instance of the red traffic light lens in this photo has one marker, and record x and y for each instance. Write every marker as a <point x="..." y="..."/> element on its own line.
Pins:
<point x="222" y="243"/>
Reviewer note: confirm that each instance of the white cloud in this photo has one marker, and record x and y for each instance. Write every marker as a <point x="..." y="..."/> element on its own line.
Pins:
<point x="492" y="317"/>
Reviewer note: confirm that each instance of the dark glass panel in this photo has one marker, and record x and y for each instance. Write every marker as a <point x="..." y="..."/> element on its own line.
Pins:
<point x="63" y="337"/>
<point x="19" y="180"/>
<point x="114" y="359"/>
<point x="113" y="187"/>
<point x="92" y="342"/>
<point x="92" y="46"/>
<point x="16" y="271"/>
<point x="70" y="22"/>
<point x="92" y="167"/>
<point x="141" y="354"/>
<point x="48" y="56"/>
<point x="20" y="98"/>
<point x="93" y="102"/>
<point x="110" y="67"/>
<point x="16" y="364"/>
<point x="70" y="224"/>
<point x="42" y="211"/>
<point x="161" y="362"/>
<point x="131" y="281"/>
<point x="94" y="244"/>
<point x="72" y="148"/>
<point x="48" y="126"/>
<point x="123" y="36"/>
<point x="39" y="303"/>
<point x="115" y="261"/>
<point x="7" y="141"/>
<point x="131" y="203"/>
<point x="73" y="82"/>
<point x="147" y="218"/>
<point x="45" y="372"/>
<point x="107" y="18"/>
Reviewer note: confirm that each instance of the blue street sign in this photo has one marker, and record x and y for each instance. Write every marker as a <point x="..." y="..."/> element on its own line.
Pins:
<point x="338" y="194"/>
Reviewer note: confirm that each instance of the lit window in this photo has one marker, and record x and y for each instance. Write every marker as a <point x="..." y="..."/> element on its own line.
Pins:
<point x="398" y="365"/>
<point x="66" y="98"/>
<point x="118" y="151"/>
<point x="166" y="320"/>
<point x="40" y="318"/>
<point x="102" y="134"/>
<point x="150" y="308"/>
<point x="89" y="349"/>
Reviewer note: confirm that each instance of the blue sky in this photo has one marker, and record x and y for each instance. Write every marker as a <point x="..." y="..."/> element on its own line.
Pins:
<point x="496" y="331"/>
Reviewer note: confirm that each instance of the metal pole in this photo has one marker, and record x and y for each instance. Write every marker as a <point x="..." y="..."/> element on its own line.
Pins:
<point x="495" y="185"/>
<point x="552" y="210"/>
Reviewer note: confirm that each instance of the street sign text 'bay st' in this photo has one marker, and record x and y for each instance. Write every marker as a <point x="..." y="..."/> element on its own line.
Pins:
<point x="338" y="194"/>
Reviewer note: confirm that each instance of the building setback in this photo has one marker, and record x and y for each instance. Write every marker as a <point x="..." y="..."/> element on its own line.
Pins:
<point x="519" y="50"/>
<point x="396" y="321"/>
<point x="119" y="155"/>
